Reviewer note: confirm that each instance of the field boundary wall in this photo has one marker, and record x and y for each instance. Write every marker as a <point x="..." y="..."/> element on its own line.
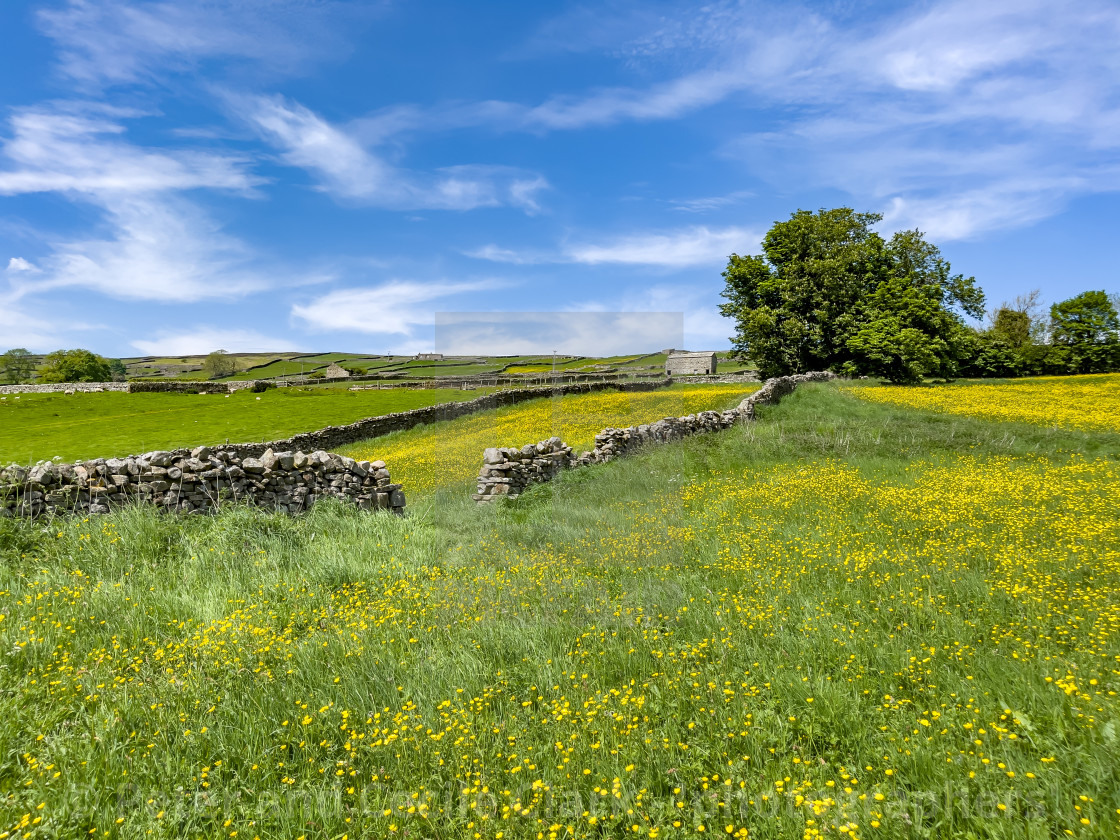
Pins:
<point x="509" y="471"/>
<point x="195" y="482"/>
<point x="134" y="387"/>
<point x="716" y="378"/>
<point x="288" y="474"/>
<point x="375" y="381"/>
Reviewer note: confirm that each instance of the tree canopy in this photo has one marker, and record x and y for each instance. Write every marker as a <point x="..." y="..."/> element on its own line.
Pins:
<point x="74" y="366"/>
<point x="1085" y="334"/>
<point x="1088" y="318"/>
<point x="830" y="292"/>
<point x="17" y="366"/>
<point x="218" y="364"/>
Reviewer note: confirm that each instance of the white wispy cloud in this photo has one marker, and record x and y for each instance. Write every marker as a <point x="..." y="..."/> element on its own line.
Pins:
<point x="152" y="242"/>
<point x="79" y="148"/>
<point x="960" y="118"/>
<point x="667" y="100"/>
<point x="928" y="106"/>
<point x="691" y="246"/>
<point x="394" y="307"/>
<point x="115" y="41"/>
<point x="348" y="170"/>
<point x="203" y="339"/>
<point x="710" y="203"/>
<point x="673" y="249"/>
<point x="162" y="249"/>
<point x="20" y="264"/>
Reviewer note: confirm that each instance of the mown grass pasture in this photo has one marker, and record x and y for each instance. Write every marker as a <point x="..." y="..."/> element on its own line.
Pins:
<point x="848" y="619"/>
<point x="42" y="426"/>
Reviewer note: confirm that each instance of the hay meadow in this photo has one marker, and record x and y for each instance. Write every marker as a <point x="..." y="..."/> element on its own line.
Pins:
<point x="865" y="615"/>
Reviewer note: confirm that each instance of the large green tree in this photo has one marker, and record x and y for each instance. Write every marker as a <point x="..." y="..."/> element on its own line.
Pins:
<point x="17" y="365"/>
<point x="794" y="304"/>
<point x="74" y="366"/>
<point x="1084" y="334"/>
<point x="829" y="292"/>
<point x="909" y="326"/>
<point x="1088" y="318"/>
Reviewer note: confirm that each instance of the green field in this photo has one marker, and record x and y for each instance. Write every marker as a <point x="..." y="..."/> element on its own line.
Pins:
<point x="41" y="426"/>
<point x="847" y="620"/>
<point x="274" y="365"/>
<point x="567" y="364"/>
<point x="424" y="369"/>
<point x="307" y="365"/>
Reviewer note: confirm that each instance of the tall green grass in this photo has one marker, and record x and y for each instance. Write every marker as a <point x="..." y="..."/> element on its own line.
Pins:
<point x="751" y="624"/>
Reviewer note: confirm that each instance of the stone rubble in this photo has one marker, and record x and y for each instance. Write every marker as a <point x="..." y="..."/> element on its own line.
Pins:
<point x="508" y="471"/>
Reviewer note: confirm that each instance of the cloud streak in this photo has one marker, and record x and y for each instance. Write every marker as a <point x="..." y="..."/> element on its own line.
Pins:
<point x="153" y="243"/>
<point x="108" y="42"/>
<point x="928" y="108"/>
<point x="204" y="339"/>
<point x="347" y="170"/>
<point x="69" y="149"/>
<point x="672" y="249"/>
<point x="394" y="307"/>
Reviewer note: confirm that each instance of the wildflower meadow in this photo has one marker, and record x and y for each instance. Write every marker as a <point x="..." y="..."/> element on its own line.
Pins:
<point x="1074" y="402"/>
<point x="847" y="619"/>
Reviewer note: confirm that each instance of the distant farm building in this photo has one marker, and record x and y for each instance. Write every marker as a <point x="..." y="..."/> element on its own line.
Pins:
<point x="429" y="357"/>
<point x="690" y="364"/>
<point x="334" y="371"/>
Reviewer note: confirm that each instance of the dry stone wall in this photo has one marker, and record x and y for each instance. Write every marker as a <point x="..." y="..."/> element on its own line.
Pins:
<point x="718" y="378"/>
<point x="287" y="474"/>
<point x="508" y="471"/>
<point x="775" y="389"/>
<point x="135" y="387"/>
<point x="63" y="387"/>
<point x="198" y="481"/>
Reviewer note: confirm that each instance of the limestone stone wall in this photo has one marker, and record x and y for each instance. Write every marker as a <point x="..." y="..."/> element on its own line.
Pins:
<point x="508" y="471"/>
<point x="135" y="387"/>
<point x="196" y="387"/>
<point x="62" y="387"/>
<point x="773" y="390"/>
<point x="198" y="481"/>
<point x="718" y="378"/>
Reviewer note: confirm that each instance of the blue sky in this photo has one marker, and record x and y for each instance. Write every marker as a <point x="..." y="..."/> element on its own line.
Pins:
<point x="177" y="177"/>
